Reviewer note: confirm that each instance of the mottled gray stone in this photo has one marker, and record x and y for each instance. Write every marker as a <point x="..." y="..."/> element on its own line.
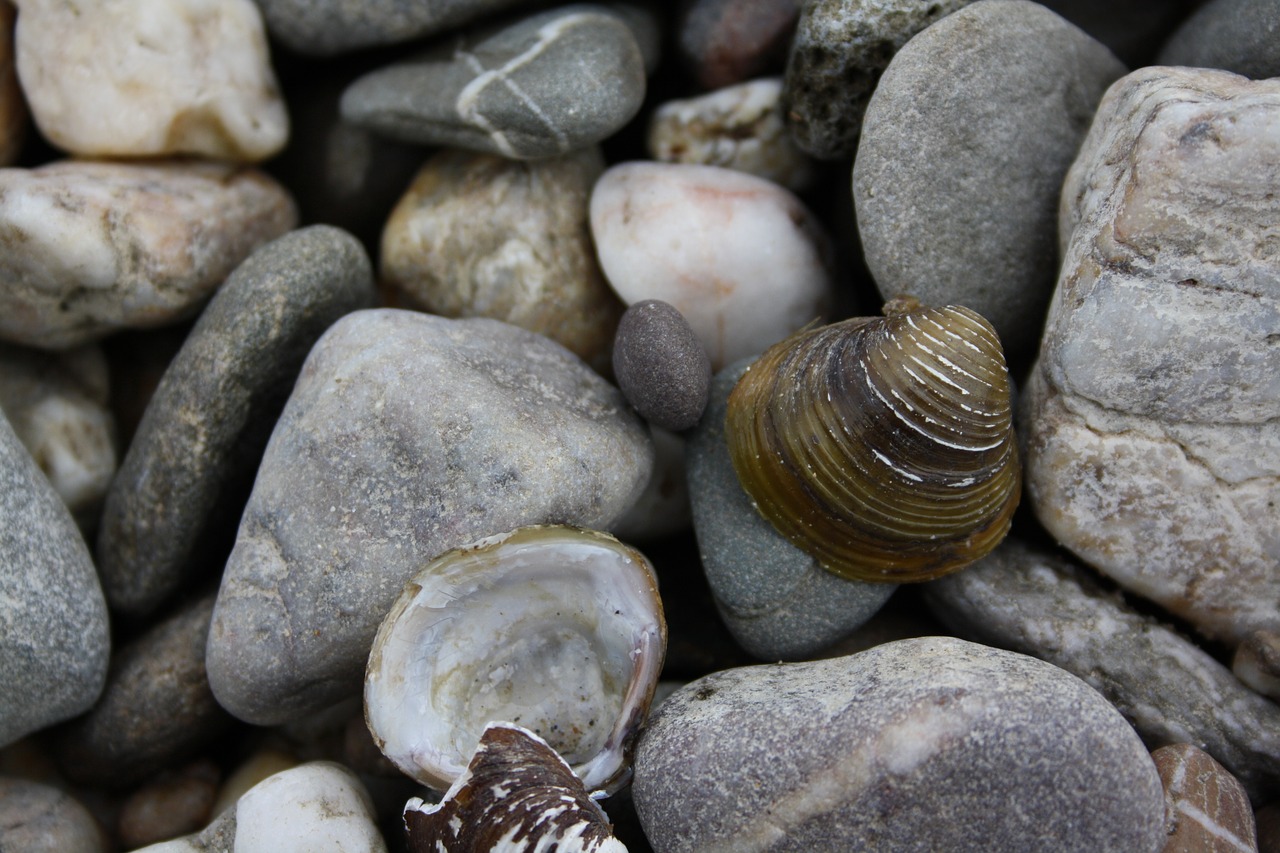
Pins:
<point x="37" y="818"/>
<point x="1207" y="806"/>
<point x="995" y="98"/>
<point x="545" y="85"/>
<point x="661" y="366"/>
<point x="54" y="641"/>
<point x="406" y="435"/>
<point x="1040" y="604"/>
<point x="925" y="744"/>
<point x="775" y="599"/>
<point x="194" y="454"/>
<point x="1242" y="36"/>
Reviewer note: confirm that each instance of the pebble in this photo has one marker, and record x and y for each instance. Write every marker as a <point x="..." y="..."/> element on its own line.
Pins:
<point x="1257" y="663"/>
<point x="191" y="462"/>
<point x="723" y="42"/>
<point x="92" y="247"/>
<point x="1152" y="421"/>
<point x="1011" y="88"/>
<point x="661" y="366"/>
<point x="740" y="257"/>
<point x="1241" y="36"/>
<point x="173" y="804"/>
<point x="154" y="78"/>
<point x="37" y="818"/>
<point x="839" y="51"/>
<point x="406" y="435"/>
<point x="1209" y="809"/>
<point x="776" y="601"/>
<point x="923" y="744"/>
<point x="13" y="107"/>
<point x="663" y="507"/>
<point x="1132" y="29"/>
<point x="477" y="235"/>
<point x="738" y="127"/>
<point x="545" y="85"/>
<point x="1038" y="603"/>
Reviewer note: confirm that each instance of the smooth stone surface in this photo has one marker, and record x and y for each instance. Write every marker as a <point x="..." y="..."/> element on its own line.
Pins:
<point x="1209" y="809"/>
<point x="738" y="127"/>
<point x="38" y="818"/>
<point x="1257" y="663"/>
<point x="839" y="51"/>
<point x="316" y="806"/>
<point x="477" y="235"/>
<point x="1241" y="36"/>
<point x="663" y="507"/>
<point x="406" y="435"/>
<point x="723" y="42"/>
<point x="926" y="744"/>
<point x="775" y="599"/>
<point x="1172" y="691"/>
<point x="191" y="462"/>
<point x="545" y="85"/>
<point x="1152" y="419"/>
<point x="997" y="97"/>
<point x="661" y="366"/>
<point x="13" y="106"/>
<point x="154" y="78"/>
<point x="171" y="805"/>
<point x="89" y="248"/>
<point x="740" y="257"/>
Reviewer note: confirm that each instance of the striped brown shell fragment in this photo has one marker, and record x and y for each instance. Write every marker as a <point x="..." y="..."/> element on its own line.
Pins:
<point x="883" y="446"/>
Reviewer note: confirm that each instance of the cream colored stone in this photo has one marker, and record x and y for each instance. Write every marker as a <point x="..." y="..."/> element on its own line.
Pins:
<point x="315" y="806"/>
<point x="146" y="78"/>
<point x="87" y="248"/>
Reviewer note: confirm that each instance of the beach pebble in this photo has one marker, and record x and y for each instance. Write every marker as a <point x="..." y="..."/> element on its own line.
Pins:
<point x="1172" y="691"/>
<point x="776" y="600"/>
<point x="544" y="85"/>
<point x="477" y="235"/>
<point x="1152" y="420"/>
<point x="1010" y="89"/>
<point x="38" y="818"/>
<point x="191" y="462"/>
<point x="923" y="744"/>
<point x="90" y="247"/>
<point x="1257" y="663"/>
<point x="153" y="78"/>
<point x="738" y="127"/>
<point x="1241" y="36"/>
<point x="170" y="805"/>
<point x="661" y="366"/>
<point x="740" y="257"/>
<point x="1209" y="810"/>
<point x="723" y="42"/>
<point x="663" y="507"/>
<point x="839" y="51"/>
<point x="13" y="106"/>
<point x="1132" y="29"/>
<point x="406" y="435"/>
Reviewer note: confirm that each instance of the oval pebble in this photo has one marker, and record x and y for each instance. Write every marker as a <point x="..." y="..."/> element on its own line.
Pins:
<point x="661" y="366"/>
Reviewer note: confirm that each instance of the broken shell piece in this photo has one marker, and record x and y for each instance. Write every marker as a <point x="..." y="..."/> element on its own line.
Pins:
<point x="517" y="794"/>
<point x="556" y="629"/>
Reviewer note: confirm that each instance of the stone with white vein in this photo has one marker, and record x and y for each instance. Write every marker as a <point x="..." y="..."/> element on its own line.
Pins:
<point x="1208" y="809"/>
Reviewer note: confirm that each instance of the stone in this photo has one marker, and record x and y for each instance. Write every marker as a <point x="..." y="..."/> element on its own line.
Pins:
<point x="92" y="247"/>
<point x="1209" y="809"/>
<point x="1257" y="663"/>
<point x="155" y="78"/>
<point x="661" y="366"/>
<point x="1132" y="29"/>
<point x="776" y="600"/>
<point x="923" y="744"/>
<point x="190" y="465"/>
<point x="1152" y="419"/>
<point x="740" y="257"/>
<point x="54" y="641"/>
<point x="477" y="235"/>
<point x="1038" y="603"/>
<point x="406" y="435"/>
<point x="57" y="406"/>
<point x="38" y="818"/>
<point x="1241" y="36"/>
<point x="663" y="507"/>
<point x="542" y="86"/>
<point x="723" y="42"/>
<point x="738" y="127"/>
<point x="171" y="805"/>
<point x="839" y="51"/>
<point x="1010" y="89"/>
<point x="13" y="106"/>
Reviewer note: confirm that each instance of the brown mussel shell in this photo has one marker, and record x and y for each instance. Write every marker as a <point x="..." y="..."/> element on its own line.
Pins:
<point x="882" y="446"/>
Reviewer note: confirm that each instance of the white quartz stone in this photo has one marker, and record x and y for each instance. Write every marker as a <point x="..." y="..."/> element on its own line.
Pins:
<point x="315" y="806"/>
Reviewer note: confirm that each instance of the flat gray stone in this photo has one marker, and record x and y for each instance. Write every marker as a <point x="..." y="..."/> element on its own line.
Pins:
<point x="406" y="435"/>
<point x="1241" y="36"/>
<point x="193" y="457"/>
<point x="38" y="818"/>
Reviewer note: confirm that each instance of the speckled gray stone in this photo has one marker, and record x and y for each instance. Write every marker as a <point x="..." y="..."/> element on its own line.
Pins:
<point x="996" y="98"/>
<point x="775" y="599"/>
<point x="1038" y="603"/>
<point x="660" y="365"/>
<point x="1242" y="36"/>
<point x="406" y="435"/>
<point x="193" y="457"/>
<point x="545" y="85"/>
<point x="38" y="818"/>
<point x="924" y="744"/>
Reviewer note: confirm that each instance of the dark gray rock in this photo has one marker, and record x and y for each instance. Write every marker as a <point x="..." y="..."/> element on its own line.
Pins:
<point x="545" y="85"/>
<point x="1242" y="36"/>
<point x="406" y="435"/>
<point x="37" y="818"/>
<point x="995" y="99"/>
<point x="924" y="744"/>
<point x="660" y="365"/>
<point x="723" y="42"/>
<point x="1132" y="29"/>
<point x="195" y="452"/>
<point x="774" y="598"/>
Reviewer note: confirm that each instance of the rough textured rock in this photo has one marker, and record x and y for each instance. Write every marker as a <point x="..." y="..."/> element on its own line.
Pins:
<point x="1152" y="419"/>
<point x="996" y="98"/>
<point x="89" y="248"/>
<point x="926" y="744"/>
<point x="191" y="462"/>
<point x="477" y="235"/>
<point x="406" y="435"/>
<point x="37" y="818"/>
<point x="153" y="78"/>
<point x="1171" y="691"/>
<point x="661" y="366"/>
<point x="723" y="42"/>
<point x="1241" y="36"/>
<point x="1209" y="809"/>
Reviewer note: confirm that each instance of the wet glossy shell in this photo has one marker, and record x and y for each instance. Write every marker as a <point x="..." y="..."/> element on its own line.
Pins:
<point x="882" y="446"/>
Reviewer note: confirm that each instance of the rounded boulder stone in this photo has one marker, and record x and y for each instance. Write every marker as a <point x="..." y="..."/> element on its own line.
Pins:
<point x="661" y="366"/>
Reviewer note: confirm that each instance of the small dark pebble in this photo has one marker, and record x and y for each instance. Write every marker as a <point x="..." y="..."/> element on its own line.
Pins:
<point x="661" y="366"/>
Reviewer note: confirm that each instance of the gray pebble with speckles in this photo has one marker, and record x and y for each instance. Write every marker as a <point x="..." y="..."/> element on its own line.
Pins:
<point x="661" y="366"/>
